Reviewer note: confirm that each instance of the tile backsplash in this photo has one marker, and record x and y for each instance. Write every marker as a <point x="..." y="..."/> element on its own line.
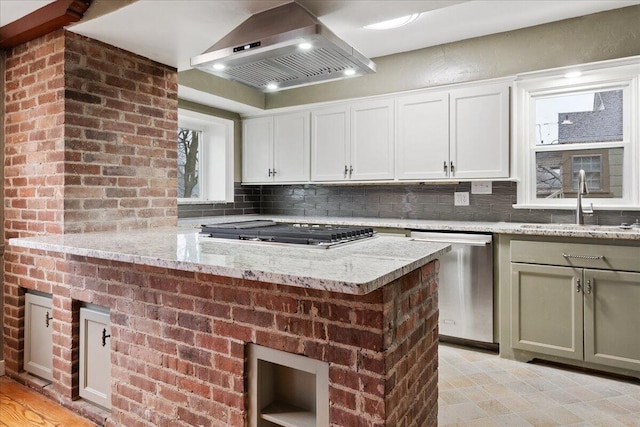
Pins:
<point x="430" y="201"/>
<point x="246" y="201"/>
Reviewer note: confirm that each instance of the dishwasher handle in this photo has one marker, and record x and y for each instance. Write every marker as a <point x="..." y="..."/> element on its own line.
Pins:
<point x="452" y="241"/>
<point x="469" y="239"/>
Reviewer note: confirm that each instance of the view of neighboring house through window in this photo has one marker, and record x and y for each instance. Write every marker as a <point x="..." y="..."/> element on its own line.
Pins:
<point x="576" y="131"/>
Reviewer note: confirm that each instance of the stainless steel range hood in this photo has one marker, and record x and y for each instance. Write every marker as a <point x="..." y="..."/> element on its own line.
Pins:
<point x="267" y="51"/>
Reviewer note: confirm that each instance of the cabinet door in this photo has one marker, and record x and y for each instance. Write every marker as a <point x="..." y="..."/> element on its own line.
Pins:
<point x="612" y="318"/>
<point x="38" y="344"/>
<point x="257" y="150"/>
<point x="422" y="136"/>
<point x="329" y="144"/>
<point x="291" y="147"/>
<point x="480" y="132"/>
<point x="546" y="310"/>
<point x="95" y="357"/>
<point x="372" y="140"/>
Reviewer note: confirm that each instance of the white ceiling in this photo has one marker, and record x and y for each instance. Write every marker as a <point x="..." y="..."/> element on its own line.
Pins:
<point x="173" y="31"/>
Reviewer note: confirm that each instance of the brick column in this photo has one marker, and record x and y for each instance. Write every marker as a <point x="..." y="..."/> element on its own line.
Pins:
<point x="89" y="146"/>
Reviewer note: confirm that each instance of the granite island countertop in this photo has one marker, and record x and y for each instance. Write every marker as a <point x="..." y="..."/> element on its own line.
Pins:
<point x="356" y="268"/>
<point x="610" y="232"/>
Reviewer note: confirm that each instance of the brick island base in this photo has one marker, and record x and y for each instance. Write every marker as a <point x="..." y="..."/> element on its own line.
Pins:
<point x="178" y="340"/>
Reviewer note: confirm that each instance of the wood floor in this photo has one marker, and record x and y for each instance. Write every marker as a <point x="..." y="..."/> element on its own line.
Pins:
<point x="21" y="407"/>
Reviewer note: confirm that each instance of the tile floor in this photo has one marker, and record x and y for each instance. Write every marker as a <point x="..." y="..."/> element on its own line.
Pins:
<point x="479" y="389"/>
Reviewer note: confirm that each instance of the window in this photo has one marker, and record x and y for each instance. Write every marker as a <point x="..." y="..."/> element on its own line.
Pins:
<point x="565" y="125"/>
<point x="205" y="158"/>
<point x="188" y="163"/>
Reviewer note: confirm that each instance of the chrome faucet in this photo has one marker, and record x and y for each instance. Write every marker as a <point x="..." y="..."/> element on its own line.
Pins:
<point x="582" y="189"/>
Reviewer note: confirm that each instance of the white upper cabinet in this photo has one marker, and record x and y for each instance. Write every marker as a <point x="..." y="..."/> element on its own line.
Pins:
<point x="422" y="146"/>
<point x="330" y="136"/>
<point x="480" y="132"/>
<point x="291" y="148"/>
<point x="257" y="150"/>
<point x="460" y="134"/>
<point x="353" y="142"/>
<point x="372" y="140"/>
<point x="276" y="149"/>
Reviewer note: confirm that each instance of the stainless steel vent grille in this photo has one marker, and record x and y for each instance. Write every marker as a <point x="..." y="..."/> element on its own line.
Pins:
<point x="314" y="63"/>
<point x="296" y="68"/>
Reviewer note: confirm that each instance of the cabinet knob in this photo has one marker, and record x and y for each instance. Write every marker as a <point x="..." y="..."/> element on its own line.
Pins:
<point x="587" y="288"/>
<point x="105" y="336"/>
<point x="578" y="285"/>
<point x="47" y="319"/>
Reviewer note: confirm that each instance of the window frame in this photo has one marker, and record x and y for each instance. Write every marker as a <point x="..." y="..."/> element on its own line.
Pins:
<point x="215" y="156"/>
<point x="595" y="77"/>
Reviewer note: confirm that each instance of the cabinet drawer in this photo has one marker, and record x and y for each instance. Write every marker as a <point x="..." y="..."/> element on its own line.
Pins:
<point x="602" y="257"/>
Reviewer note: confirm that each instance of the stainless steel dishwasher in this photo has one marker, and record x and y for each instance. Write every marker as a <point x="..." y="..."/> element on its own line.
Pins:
<point x="465" y="293"/>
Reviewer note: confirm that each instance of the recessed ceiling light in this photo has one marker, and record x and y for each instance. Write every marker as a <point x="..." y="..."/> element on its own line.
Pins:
<point x="573" y="74"/>
<point x="305" y="46"/>
<point x="393" y="23"/>
<point x="272" y="86"/>
<point x="349" y="72"/>
<point x="218" y="66"/>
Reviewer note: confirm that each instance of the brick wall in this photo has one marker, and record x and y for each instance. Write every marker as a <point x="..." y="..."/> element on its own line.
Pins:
<point x="89" y="138"/>
<point x="178" y="341"/>
<point x="89" y="144"/>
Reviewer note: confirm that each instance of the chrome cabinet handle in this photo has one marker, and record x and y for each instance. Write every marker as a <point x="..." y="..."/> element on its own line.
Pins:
<point x="578" y="285"/>
<point x="47" y="319"/>
<point x="587" y="288"/>
<point x="346" y="171"/>
<point x="445" y="166"/>
<point x="591" y="257"/>
<point x="274" y="172"/>
<point x="350" y="170"/>
<point x="270" y="172"/>
<point x="453" y="169"/>
<point x="105" y="336"/>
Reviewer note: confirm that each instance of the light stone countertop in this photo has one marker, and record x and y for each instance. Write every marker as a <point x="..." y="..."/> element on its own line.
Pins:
<point x="355" y="268"/>
<point x="561" y="230"/>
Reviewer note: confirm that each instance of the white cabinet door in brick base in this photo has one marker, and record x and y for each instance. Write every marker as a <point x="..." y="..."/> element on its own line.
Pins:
<point x="38" y="344"/>
<point x="95" y="359"/>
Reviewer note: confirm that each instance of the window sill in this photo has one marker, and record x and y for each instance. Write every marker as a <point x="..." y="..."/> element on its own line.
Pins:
<point x="573" y="207"/>
<point x="200" y="202"/>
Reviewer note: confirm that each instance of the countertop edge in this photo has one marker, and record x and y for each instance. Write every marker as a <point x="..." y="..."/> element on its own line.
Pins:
<point x="512" y="228"/>
<point x="283" y="278"/>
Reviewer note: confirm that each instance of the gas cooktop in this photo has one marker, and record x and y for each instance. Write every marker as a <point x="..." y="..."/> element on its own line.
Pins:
<point x="323" y="236"/>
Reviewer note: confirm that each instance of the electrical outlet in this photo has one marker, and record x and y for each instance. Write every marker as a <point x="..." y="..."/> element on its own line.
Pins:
<point x="461" y="198"/>
<point x="481" y="187"/>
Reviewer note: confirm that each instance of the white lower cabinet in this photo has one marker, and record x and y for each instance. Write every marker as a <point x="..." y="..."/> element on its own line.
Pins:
<point x="38" y="327"/>
<point x="287" y="389"/>
<point x="95" y="359"/>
